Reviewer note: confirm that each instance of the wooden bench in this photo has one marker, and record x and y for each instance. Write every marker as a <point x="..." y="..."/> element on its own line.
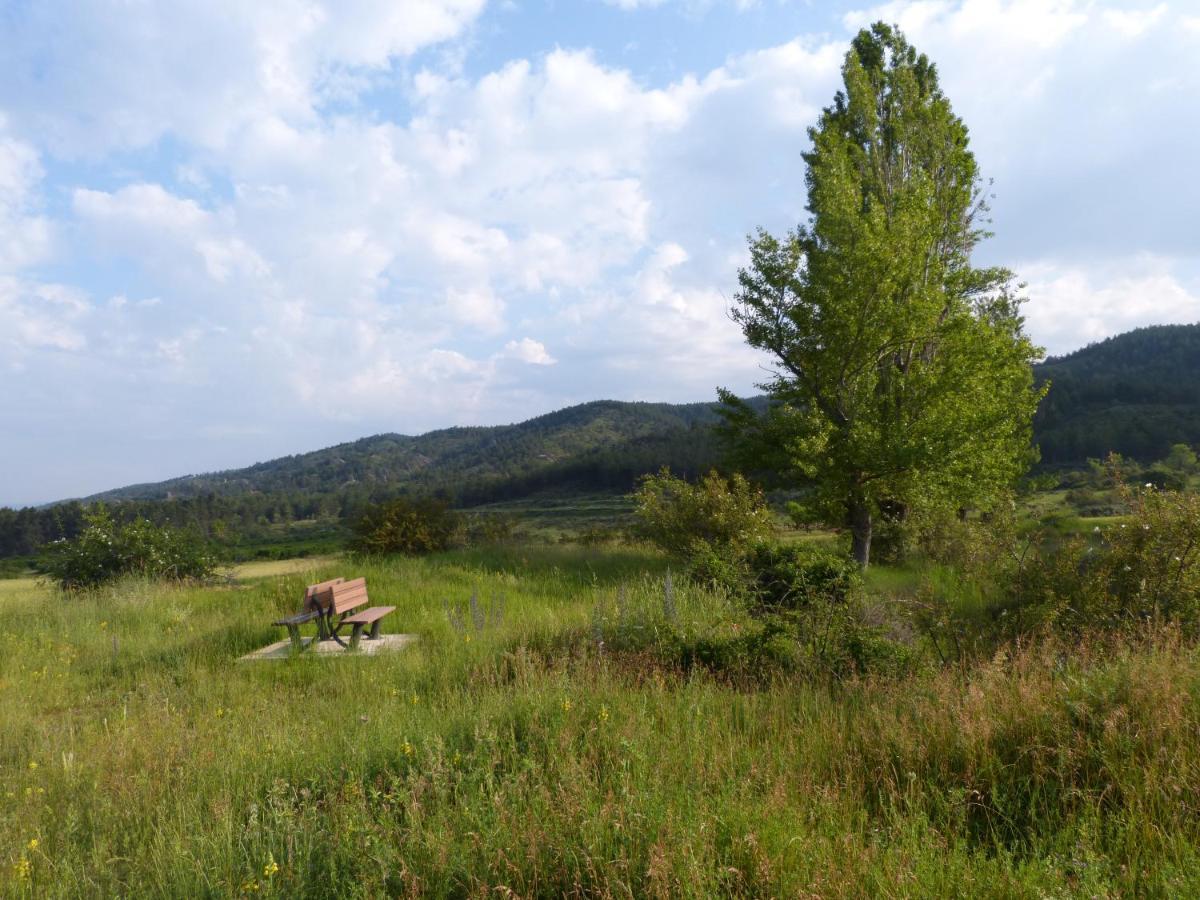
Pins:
<point x="333" y="605"/>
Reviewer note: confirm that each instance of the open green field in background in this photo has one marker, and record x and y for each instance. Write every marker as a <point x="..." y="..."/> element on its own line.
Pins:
<point x="511" y="752"/>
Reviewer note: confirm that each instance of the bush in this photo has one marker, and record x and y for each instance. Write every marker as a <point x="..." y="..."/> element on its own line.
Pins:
<point x="407" y="525"/>
<point x="1146" y="568"/>
<point x="793" y="577"/>
<point x="709" y="525"/>
<point x="106" y="550"/>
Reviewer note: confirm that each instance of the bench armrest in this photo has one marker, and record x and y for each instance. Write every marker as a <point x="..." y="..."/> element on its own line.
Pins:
<point x="299" y="618"/>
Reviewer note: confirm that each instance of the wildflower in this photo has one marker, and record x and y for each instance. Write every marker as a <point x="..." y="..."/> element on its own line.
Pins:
<point x="33" y="844"/>
<point x="457" y="758"/>
<point x="33" y="764"/>
<point x="103" y="624"/>
<point x="219" y="713"/>
<point x="22" y="869"/>
<point x="249" y="886"/>
<point x="415" y="698"/>
<point x="1149" y="484"/>
<point x="407" y="748"/>
<point x="566" y="704"/>
<point x="1145" y="528"/>
<point x="271" y="867"/>
<point x="603" y="713"/>
<point x="395" y="692"/>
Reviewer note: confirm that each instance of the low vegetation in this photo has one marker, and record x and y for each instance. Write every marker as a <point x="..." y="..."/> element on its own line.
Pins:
<point x="106" y="550"/>
<point x="577" y="721"/>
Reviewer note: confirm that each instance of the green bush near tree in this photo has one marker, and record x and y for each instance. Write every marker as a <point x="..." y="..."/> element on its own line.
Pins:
<point x="708" y="525"/>
<point x="408" y="525"/>
<point x="107" y="549"/>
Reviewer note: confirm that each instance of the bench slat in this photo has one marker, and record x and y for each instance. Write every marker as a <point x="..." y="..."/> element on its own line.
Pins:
<point x="367" y="616"/>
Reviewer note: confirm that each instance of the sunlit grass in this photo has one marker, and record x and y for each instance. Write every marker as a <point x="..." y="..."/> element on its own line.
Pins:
<point x="506" y="749"/>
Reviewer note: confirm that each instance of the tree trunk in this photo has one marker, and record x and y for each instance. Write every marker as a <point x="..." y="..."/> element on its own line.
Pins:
<point x="860" y="530"/>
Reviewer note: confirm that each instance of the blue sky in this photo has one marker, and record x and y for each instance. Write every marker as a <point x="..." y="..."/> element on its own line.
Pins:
<point x="234" y="231"/>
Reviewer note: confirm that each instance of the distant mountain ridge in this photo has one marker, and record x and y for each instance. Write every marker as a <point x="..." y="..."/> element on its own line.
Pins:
<point x="604" y="439"/>
<point x="1136" y="393"/>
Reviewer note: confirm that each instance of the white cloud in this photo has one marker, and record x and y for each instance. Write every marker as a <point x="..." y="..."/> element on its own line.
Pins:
<point x="25" y="234"/>
<point x="106" y="75"/>
<point x="39" y="317"/>
<point x="1134" y="23"/>
<point x="527" y="350"/>
<point x="1071" y="306"/>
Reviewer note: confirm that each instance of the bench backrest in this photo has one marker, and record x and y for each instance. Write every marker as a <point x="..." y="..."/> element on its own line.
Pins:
<point x="339" y="597"/>
<point x="310" y="594"/>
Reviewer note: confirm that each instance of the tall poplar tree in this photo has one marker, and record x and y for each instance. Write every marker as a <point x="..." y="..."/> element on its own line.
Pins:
<point x="902" y="375"/>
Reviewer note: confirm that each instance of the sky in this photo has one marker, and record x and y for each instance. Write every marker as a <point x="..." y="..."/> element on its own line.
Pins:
<point x="233" y="231"/>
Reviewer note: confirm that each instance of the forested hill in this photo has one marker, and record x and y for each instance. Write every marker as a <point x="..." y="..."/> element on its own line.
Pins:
<point x="601" y="445"/>
<point x="1137" y="393"/>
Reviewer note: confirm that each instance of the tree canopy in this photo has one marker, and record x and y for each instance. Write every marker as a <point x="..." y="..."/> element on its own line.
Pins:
<point x="902" y="373"/>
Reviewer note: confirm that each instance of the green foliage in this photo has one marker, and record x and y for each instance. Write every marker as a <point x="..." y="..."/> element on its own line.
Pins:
<point x="407" y="525"/>
<point x="903" y="374"/>
<point x="1147" y="568"/>
<point x="789" y="577"/>
<point x="106" y="550"/>
<point x="709" y="524"/>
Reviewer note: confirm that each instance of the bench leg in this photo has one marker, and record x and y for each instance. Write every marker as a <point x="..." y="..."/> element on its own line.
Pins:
<point x="375" y="629"/>
<point x="355" y="635"/>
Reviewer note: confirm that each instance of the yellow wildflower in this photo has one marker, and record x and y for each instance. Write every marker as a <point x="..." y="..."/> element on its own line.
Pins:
<point x="603" y="713"/>
<point x="566" y="704"/>
<point x="271" y="867"/>
<point x="32" y="764"/>
<point x="33" y="844"/>
<point x="22" y="869"/>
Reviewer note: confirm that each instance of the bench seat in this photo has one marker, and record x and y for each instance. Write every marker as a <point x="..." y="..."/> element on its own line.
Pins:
<point x="371" y="616"/>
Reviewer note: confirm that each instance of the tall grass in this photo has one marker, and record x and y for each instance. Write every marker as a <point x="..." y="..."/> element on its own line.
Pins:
<point x="515" y="752"/>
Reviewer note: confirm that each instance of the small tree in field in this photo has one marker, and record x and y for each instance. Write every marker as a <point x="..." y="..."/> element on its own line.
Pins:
<point x="903" y="375"/>
<point x="106" y="550"/>
<point x="710" y="523"/>
<point x="407" y="525"/>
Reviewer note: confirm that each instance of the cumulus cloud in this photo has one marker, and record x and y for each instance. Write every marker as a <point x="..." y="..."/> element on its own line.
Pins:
<point x="527" y="350"/>
<point x="93" y="77"/>
<point x="1071" y="306"/>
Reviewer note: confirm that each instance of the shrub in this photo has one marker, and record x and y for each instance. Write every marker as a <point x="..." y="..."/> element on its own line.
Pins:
<point x="709" y="525"/>
<point x="1146" y="568"/>
<point x="106" y="550"/>
<point x="407" y="525"/>
<point x="791" y="577"/>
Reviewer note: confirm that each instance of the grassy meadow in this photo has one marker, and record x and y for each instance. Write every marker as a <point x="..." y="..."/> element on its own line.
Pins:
<point x="521" y="749"/>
